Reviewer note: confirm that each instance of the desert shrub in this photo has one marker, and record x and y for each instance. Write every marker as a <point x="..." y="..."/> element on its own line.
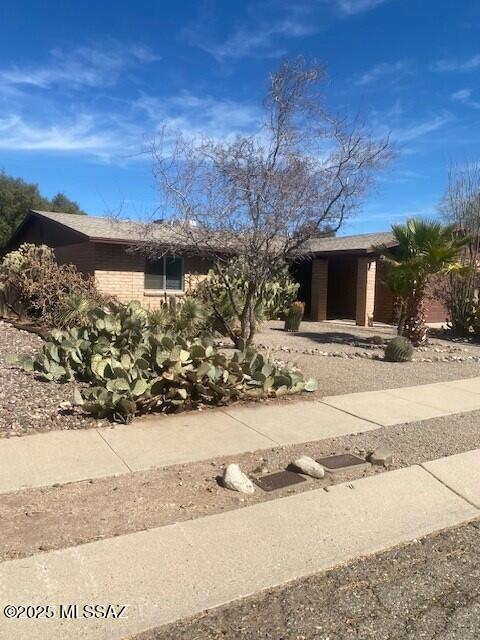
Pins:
<point x="399" y="349"/>
<point x="186" y="316"/>
<point x="223" y="294"/>
<point x="33" y="284"/>
<point x="134" y="367"/>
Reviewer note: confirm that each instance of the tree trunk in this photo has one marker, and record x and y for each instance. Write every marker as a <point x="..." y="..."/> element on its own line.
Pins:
<point x="248" y="321"/>
<point x="414" y="327"/>
<point x="401" y="312"/>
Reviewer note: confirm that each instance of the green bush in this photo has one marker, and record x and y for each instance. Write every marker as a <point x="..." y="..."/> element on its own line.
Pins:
<point x="186" y="316"/>
<point x="399" y="349"/>
<point x="221" y="294"/>
<point x="134" y="367"/>
<point x="34" y="285"/>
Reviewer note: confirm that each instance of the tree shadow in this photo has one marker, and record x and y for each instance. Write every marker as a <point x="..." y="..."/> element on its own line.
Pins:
<point x="336" y="337"/>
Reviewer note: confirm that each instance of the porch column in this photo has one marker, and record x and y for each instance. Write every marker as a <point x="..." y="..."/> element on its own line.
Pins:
<point x="319" y="289"/>
<point x="366" y="269"/>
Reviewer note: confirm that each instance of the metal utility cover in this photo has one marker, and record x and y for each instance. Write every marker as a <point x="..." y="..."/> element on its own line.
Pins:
<point x="278" y="480"/>
<point x="342" y="462"/>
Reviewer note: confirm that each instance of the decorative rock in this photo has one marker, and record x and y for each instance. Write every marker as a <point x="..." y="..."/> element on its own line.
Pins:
<point x="236" y="480"/>
<point x="309" y="467"/>
<point x="381" y="457"/>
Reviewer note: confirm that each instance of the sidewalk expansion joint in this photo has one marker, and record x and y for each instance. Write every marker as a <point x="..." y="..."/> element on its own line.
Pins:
<point x="129" y="469"/>
<point x="244" y="424"/>
<point x="457" y="493"/>
<point x="354" y="415"/>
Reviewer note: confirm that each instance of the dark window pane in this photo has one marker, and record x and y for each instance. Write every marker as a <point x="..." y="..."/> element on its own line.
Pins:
<point x="174" y="273"/>
<point x="154" y="274"/>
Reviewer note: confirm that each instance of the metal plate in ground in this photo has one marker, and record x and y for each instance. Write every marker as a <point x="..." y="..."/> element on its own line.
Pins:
<point x="342" y="462"/>
<point x="278" y="480"/>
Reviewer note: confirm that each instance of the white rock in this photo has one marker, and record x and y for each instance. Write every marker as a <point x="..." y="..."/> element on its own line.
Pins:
<point x="236" y="480"/>
<point x="309" y="467"/>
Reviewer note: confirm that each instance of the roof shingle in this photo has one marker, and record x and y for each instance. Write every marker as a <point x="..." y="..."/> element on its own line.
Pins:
<point x="128" y="231"/>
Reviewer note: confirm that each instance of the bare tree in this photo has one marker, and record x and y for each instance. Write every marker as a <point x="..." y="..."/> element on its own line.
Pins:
<point x="262" y="196"/>
<point x="461" y="208"/>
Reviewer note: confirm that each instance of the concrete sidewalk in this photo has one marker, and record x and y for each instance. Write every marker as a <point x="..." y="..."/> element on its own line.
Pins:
<point x="176" y="571"/>
<point x="157" y="441"/>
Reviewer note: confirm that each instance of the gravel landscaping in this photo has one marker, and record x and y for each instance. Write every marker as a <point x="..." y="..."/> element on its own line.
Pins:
<point x="27" y="404"/>
<point x="343" y="358"/>
<point x="112" y="506"/>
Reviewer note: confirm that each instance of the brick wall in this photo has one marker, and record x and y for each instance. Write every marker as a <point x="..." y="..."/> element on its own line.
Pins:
<point x="121" y="274"/>
<point x="383" y="311"/>
<point x="318" y="311"/>
<point x="366" y="271"/>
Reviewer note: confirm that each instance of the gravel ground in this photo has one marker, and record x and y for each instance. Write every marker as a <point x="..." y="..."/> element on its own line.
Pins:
<point x="340" y="357"/>
<point x="429" y="590"/>
<point x="343" y="359"/>
<point x="27" y="404"/>
<point x="55" y="517"/>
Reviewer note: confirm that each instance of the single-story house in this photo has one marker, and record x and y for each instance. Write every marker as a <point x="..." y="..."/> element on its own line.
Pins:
<point x="340" y="278"/>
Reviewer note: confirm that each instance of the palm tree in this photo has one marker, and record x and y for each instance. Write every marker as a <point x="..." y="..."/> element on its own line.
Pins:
<point x="425" y="248"/>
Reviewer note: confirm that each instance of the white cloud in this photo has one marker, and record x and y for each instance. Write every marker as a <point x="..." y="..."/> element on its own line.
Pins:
<point x="257" y="37"/>
<point x="87" y="134"/>
<point x="81" y="67"/>
<point x="195" y="115"/>
<point x="351" y="7"/>
<point x="112" y="136"/>
<point x="411" y="132"/>
<point x="464" y="96"/>
<point x="471" y="64"/>
<point x="380" y="71"/>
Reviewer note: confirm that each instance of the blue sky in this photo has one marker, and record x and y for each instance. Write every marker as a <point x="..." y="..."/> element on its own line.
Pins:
<point x="84" y="86"/>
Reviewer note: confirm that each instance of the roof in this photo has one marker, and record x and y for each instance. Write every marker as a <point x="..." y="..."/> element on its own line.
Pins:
<point x="363" y="242"/>
<point x="98" y="229"/>
<point x="109" y="229"/>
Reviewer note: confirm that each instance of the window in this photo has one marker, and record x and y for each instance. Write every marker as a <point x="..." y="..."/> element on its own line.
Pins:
<point x="164" y="274"/>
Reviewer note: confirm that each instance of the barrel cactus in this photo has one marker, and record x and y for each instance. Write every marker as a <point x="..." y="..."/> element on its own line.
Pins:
<point x="399" y="349"/>
<point x="294" y="316"/>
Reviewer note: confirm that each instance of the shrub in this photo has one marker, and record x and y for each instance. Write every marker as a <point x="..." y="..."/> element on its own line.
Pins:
<point x="186" y="317"/>
<point x="294" y="316"/>
<point x="33" y="284"/>
<point x="223" y="295"/>
<point x="134" y="367"/>
<point x="399" y="349"/>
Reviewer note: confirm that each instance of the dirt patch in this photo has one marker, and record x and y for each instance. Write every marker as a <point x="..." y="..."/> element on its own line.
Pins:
<point x="60" y="516"/>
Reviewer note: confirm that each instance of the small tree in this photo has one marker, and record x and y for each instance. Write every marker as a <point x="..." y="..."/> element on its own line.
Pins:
<point x="426" y="248"/>
<point x="261" y="197"/>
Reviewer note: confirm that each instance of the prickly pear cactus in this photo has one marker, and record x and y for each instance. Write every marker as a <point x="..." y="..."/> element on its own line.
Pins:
<point x="133" y="367"/>
<point x="399" y="349"/>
